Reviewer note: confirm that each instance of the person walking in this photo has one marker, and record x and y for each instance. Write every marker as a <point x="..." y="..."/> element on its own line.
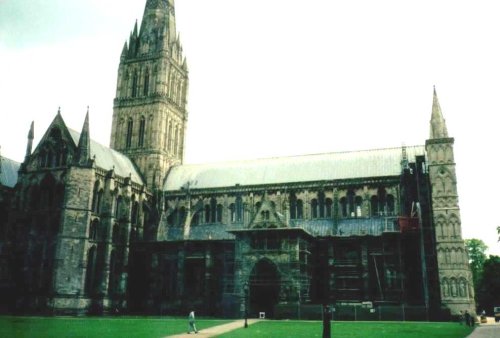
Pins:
<point x="191" y="323"/>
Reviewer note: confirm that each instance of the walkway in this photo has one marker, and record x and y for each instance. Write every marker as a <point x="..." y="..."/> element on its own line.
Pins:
<point x="216" y="330"/>
<point x="488" y="330"/>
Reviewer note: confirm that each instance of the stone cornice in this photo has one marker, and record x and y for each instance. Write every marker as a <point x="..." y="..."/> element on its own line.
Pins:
<point x="440" y="141"/>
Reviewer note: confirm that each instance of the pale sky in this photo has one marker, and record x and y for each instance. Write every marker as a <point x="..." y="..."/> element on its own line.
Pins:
<point x="276" y="78"/>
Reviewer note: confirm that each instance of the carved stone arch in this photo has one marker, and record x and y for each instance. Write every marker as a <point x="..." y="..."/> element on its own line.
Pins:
<point x="439" y="225"/>
<point x="265" y="286"/>
<point x="453" y="287"/>
<point x="453" y="254"/>
<point x="440" y="154"/>
<point x="454" y="222"/>
<point x="441" y="255"/>
<point x="438" y="186"/>
<point x="445" y="287"/>
<point x="447" y="256"/>
<point x="462" y="288"/>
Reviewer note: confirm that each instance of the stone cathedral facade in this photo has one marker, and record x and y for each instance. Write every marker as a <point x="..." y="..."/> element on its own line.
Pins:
<point x="130" y="228"/>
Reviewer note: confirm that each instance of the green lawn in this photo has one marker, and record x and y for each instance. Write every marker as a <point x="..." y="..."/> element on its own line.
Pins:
<point x="310" y="329"/>
<point x="99" y="327"/>
<point x="148" y="327"/>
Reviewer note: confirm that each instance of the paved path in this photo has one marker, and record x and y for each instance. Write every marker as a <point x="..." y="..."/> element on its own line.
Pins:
<point x="214" y="331"/>
<point x="489" y="330"/>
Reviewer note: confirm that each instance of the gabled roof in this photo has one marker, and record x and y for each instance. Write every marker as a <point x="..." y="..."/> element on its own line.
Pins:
<point x="307" y="168"/>
<point x="107" y="158"/>
<point x="8" y="172"/>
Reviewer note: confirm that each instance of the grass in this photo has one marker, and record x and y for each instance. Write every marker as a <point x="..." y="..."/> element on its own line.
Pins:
<point x="311" y="329"/>
<point x="99" y="327"/>
<point x="149" y="327"/>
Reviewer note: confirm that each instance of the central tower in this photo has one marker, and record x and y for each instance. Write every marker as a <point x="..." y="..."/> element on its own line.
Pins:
<point x="149" y="113"/>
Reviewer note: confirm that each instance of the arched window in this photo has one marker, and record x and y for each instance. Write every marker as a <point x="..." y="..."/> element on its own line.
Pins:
<point x="207" y="213"/>
<point x="232" y="213"/>
<point x="321" y="204"/>
<point x="374" y="205"/>
<point x="99" y="202"/>
<point x="239" y="209"/>
<point x="358" y="202"/>
<point x="135" y="212"/>
<point x="350" y="202"/>
<point x="146" y="83"/>
<point x="390" y="204"/>
<point x="176" y="142"/>
<point x="219" y="213"/>
<point x="130" y="126"/>
<point x="134" y="84"/>
<point x="118" y="206"/>
<point x="213" y="210"/>
<point x="381" y="201"/>
<point x="90" y="277"/>
<point x="142" y="126"/>
<point x="170" y="137"/>
<point x="343" y="206"/>
<point x="328" y="208"/>
<point x="300" y="209"/>
<point x="94" y="196"/>
<point x="94" y="229"/>
<point x="314" y="208"/>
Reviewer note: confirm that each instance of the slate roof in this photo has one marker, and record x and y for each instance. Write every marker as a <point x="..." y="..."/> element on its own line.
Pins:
<point x="8" y="172"/>
<point x="107" y="158"/>
<point x="307" y="168"/>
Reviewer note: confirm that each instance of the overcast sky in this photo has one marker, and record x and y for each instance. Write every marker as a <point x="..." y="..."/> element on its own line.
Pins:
<point x="275" y="78"/>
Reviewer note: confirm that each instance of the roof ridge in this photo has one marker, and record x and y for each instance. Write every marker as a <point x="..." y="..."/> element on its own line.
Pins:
<point x="300" y="155"/>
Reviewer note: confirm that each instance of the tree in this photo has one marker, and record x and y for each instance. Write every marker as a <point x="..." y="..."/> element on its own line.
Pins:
<point x="488" y="294"/>
<point x="476" y="249"/>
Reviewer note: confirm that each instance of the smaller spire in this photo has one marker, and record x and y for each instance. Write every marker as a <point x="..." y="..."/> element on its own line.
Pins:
<point x="31" y="135"/>
<point x="438" y="123"/>
<point x="125" y="49"/>
<point x="83" y="151"/>
<point x="59" y="110"/>
<point x="135" y="29"/>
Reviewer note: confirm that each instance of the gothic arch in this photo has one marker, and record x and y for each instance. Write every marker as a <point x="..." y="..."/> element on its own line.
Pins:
<point x="453" y="287"/>
<point x="445" y="287"/>
<point x="91" y="273"/>
<point x="264" y="286"/>
<point x="454" y="222"/>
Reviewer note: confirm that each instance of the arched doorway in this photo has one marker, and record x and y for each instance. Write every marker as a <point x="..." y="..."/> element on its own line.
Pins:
<point x="264" y="288"/>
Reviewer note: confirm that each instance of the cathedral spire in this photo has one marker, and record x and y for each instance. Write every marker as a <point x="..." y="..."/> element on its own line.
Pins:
<point x="159" y="13"/>
<point x="83" y="151"/>
<point x="31" y="136"/>
<point x="438" y="123"/>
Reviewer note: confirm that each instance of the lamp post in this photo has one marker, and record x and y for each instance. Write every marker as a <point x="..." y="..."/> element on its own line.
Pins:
<point x="245" y="289"/>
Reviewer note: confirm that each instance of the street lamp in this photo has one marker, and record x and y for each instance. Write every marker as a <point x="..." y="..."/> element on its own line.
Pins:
<point x="245" y="289"/>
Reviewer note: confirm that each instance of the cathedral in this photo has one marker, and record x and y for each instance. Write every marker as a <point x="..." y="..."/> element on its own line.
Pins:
<point x="130" y="228"/>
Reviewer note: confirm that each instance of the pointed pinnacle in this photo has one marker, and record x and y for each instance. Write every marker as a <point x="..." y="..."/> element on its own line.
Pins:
<point x="31" y="133"/>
